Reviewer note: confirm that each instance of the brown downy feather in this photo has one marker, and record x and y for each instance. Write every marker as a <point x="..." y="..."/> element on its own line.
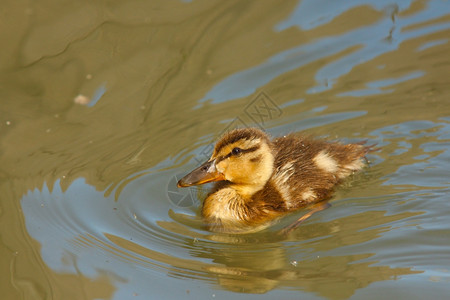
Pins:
<point x="266" y="179"/>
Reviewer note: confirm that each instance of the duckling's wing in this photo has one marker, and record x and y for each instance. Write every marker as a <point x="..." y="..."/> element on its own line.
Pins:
<point x="307" y="170"/>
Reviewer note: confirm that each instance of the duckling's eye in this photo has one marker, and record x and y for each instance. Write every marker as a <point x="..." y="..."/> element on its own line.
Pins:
<point x="236" y="151"/>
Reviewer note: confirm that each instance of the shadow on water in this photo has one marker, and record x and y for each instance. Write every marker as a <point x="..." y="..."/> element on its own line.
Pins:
<point x="103" y="105"/>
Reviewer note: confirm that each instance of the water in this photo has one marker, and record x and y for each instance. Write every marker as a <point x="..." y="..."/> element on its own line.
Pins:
<point x="89" y="206"/>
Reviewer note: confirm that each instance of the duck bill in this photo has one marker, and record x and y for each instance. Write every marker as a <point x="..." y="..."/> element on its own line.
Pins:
<point x="207" y="172"/>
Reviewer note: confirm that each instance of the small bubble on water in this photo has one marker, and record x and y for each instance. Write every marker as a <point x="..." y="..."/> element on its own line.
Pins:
<point x="81" y="99"/>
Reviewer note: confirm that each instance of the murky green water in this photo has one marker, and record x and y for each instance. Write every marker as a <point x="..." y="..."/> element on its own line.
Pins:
<point x="89" y="207"/>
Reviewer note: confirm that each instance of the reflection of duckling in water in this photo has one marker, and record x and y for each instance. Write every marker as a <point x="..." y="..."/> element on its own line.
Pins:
<point x="260" y="180"/>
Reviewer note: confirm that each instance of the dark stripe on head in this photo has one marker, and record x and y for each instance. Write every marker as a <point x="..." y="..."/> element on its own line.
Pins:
<point x="240" y="134"/>
<point x="252" y="149"/>
<point x="256" y="159"/>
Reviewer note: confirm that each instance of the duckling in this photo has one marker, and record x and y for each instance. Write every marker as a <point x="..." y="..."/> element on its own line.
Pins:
<point x="259" y="180"/>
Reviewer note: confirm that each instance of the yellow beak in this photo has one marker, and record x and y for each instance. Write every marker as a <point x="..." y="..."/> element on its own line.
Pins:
<point x="207" y="172"/>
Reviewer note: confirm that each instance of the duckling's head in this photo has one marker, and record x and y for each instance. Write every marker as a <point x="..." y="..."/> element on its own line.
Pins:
<point x="243" y="157"/>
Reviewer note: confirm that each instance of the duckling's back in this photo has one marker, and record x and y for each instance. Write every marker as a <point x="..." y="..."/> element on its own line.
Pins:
<point x="307" y="170"/>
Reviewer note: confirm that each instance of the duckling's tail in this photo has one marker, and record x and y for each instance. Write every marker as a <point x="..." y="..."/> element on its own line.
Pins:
<point x="368" y="148"/>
